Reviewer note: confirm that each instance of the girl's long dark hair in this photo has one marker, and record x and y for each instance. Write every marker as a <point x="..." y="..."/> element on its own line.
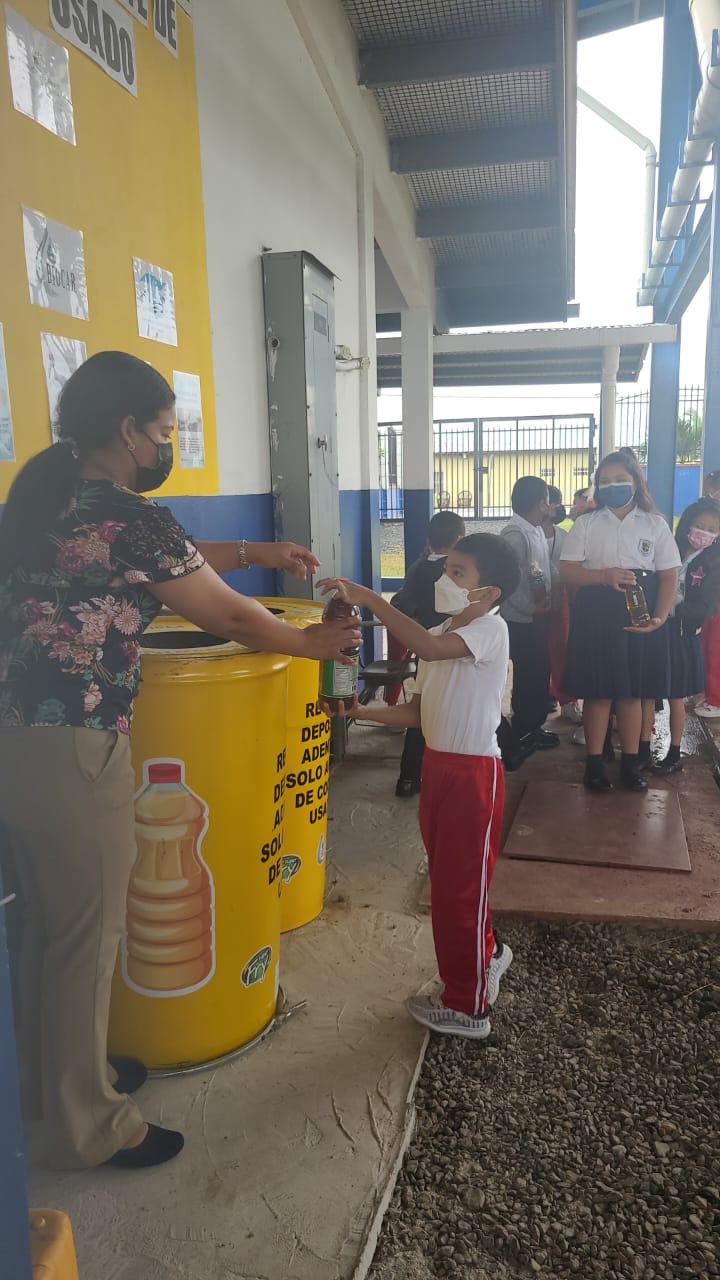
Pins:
<point x="699" y="508"/>
<point x="95" y="400"/>
<point x="643" y="496"/>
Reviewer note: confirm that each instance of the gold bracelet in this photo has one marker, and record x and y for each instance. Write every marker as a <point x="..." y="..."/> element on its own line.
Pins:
<point x="243" y="562"/>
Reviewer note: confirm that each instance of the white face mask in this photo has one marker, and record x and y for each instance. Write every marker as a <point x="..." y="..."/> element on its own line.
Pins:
<point x="450" y="598"/>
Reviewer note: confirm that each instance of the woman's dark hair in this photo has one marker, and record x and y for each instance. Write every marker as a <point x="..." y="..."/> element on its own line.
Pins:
<point x="702" y="507"/>
<point x="623" y="458"/>
<point x="108" y="388"/>
<point x="495" y="561"/>
<point x="527" y="492"/>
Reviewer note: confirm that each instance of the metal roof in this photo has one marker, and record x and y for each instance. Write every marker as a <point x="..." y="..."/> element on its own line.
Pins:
<point x="478" y="100"/>
<point x="527" y="357"/>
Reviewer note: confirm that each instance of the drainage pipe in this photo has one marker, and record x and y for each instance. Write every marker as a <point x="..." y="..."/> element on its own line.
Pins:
<point x="704" y="131"/>
<point x="646" y="145"/>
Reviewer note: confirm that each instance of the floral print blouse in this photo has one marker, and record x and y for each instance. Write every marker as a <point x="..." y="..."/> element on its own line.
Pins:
<point x="70" y="628"/>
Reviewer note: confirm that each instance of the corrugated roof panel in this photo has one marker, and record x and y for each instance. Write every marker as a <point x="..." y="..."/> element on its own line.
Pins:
<point x="438" y="187"/>
<point x="422" y="21"/>
<point x="493" y="101"/>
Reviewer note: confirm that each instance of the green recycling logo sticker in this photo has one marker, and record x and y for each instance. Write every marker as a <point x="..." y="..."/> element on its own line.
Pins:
<point x="256" y="967"/>
<point x="291" y="864"/>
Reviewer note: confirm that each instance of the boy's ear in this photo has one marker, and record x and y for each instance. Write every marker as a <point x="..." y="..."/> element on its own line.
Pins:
<point x="496" y="593"/>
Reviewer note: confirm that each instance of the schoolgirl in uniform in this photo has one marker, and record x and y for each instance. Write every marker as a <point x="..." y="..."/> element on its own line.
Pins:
<point x="624" y="542"/>
<point x="698" y="597"/>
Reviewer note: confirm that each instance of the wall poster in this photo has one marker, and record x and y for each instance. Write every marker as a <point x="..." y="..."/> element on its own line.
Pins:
<point x="55" y="264"/>
<point x="188" y="406"/>
<point x="7" y="442"/>
<point x="155" y="301"/>
<point x="61" y="357"/>
<point x="39" y="76"/>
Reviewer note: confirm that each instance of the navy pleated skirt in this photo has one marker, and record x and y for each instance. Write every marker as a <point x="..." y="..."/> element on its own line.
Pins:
<point x="687" y="665"/>
<point x="603" y="660"/>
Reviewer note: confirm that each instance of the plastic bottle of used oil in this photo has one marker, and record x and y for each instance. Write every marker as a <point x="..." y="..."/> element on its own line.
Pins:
<point x="169" y="932"/>
<point x="637" y="606"/>
<point x="338" y="680"/>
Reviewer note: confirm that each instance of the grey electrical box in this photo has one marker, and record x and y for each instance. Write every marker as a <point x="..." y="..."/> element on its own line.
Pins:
<point x="300" y="342"/>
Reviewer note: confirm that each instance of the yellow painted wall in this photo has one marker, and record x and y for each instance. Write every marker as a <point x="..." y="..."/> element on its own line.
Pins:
<point x="132" y="185"/>
<point x="503" y="469"/>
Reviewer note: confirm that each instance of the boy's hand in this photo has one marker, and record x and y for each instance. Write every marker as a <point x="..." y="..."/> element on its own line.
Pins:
<point x="349" y="591"/>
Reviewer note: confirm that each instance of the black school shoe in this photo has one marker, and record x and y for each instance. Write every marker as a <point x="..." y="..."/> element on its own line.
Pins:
<point x="406" y="787"/>
<point x="131" y="1074"/>
<point x="597" y="780"/>
<point x="665" y="767"/>
<point x="544" y="741"/>
<point x="632" y="780"/>
<point x="157" y="1147"/>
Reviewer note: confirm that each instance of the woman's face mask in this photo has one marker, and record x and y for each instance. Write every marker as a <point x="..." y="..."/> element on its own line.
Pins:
<point x="616" y="495"/>
<point x="452" y="599"/>
<point x="700" y="538"/>
<point x="149" y="478"/>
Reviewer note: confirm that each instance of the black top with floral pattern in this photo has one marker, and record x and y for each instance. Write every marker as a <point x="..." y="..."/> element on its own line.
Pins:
<point x="70" y="628"/>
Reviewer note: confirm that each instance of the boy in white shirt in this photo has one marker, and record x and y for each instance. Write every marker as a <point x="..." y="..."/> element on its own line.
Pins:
<point x="457" y="701"/>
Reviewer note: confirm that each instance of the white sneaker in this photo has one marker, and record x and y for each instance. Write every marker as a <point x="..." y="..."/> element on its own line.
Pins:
<point x="571" y="711"/>
<point x="500" y="963"/>
<point x="432" y="1013"/>
<point x="707" y="711"/>
<point x="579" y="737"/>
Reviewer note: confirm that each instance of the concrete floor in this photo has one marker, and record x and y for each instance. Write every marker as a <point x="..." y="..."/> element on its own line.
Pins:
<point x="292" y="1149"/>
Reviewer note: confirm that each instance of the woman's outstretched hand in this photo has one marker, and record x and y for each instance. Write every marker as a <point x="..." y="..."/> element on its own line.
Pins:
<point x="289" y="557"/>
<point x="331" y="640"/>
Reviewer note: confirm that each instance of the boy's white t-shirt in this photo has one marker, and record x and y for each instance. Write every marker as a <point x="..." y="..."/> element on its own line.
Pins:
<point x="462" y="697"/>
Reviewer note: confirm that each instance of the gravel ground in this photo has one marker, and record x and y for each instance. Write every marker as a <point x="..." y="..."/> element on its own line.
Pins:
<point x="581" y="1139"/>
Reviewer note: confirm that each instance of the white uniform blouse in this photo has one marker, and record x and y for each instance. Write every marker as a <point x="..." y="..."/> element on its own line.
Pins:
<point x="642" y="540"/>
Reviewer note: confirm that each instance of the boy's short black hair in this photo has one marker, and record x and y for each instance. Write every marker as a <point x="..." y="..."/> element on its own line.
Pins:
<point x="527" y="492"/>
<point x="496" y="562"/>
<point x="444" y="530"/>
<point x="554" y="494"/>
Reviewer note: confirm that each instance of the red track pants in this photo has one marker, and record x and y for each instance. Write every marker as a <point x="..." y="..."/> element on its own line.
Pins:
<point x="711" y="650"/>
<point x="461" y="806"/>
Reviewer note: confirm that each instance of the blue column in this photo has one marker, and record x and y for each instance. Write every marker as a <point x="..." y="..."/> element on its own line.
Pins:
<point x="14" y="1222"/>
<point x="662" y="422"/>
<point x="711" y="432"/>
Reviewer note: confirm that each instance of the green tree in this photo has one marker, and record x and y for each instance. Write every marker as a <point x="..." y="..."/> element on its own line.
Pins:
<point x="688" y="446"/>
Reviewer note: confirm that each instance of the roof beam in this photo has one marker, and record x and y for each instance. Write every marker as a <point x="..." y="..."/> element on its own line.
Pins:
<point x="474" y="148"/>
<point x="506" y="273"/>
<point x="491" y="215"/>
<point x="453" y="59"/>
<point x="689" y="273"/>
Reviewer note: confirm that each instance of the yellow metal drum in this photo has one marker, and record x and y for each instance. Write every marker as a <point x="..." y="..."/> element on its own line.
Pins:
<point x="198" y="973"/>
<point x="307" y="778"/>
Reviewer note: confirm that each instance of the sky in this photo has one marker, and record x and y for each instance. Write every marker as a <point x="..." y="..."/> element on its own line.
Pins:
<point x="623" y="70"/>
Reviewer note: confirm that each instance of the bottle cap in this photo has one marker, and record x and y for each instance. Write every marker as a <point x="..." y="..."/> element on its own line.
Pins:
<point x="167" y="771"/>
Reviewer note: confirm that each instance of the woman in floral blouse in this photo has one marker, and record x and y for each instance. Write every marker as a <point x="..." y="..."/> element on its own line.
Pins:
<point x="86" y="563"/>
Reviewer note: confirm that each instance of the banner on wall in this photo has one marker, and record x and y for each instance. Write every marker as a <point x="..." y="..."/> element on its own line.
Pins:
<point x="61" y="357"/>
<point x="155" y="301"/>
<point x="138" y="8"/>
<point x="188" y="407"/>
<point x="55" y="264"/>
<point x="186" y="5"/>
<point x="7" y="442"/>
<point x="165" y="24"/>
<point x="102" y="30"/>
<point x="39" y="76"/>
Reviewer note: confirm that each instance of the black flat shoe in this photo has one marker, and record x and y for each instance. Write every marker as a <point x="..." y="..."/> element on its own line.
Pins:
<point x="598" y="782"/>
<point x="157" y="1147"/>
<point x="634" y="782"/>
<point x="646" y="765"/>
<point x="544" y="741"/>
<point x="664" y="768"/>
<point x="131" y="1074"/>
<point x="406" y="787"/>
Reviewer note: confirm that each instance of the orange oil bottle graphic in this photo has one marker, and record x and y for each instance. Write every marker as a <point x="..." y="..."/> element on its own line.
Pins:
<point x="169" y="944"/>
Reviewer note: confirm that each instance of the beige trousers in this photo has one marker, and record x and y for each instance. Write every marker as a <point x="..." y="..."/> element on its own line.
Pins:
<point x="66" y="800"/>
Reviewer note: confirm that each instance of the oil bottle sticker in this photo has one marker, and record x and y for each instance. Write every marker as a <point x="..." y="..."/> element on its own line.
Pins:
<point x="339" y="680"/>
<point x="256" y="967"/>
<point x="168" y="947"/>
<point x="291" y="864"/>
<point x="321" y="850"/>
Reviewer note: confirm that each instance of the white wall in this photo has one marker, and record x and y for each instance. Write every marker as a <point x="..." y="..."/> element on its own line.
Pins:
<point x="278" y="172"/>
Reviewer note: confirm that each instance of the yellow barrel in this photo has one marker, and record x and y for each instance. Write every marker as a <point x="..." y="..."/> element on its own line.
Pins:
<point x="307" y="777"/>
<point x="51" y="1245"/>
<point x="198" y="973"/>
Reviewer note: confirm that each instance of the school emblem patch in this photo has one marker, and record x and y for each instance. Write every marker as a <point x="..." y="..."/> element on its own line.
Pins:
<point x="645" y="547"/>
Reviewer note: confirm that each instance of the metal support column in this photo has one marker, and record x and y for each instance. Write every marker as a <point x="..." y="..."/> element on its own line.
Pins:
<point x="14" y="1221"/>
<point x="711" y="417"/>
<point x="417" y="410"/>
<point x="608" y="398"/>
<point x="662" y="423"/>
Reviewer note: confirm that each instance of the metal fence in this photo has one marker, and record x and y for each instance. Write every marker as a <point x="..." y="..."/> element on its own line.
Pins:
<point x="633" y="419"/>
<point x="478" y="460"/>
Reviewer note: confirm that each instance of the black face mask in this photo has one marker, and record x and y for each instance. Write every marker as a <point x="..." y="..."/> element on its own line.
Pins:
<point x="149" y="478"/>
<point x="560" y="514"/>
